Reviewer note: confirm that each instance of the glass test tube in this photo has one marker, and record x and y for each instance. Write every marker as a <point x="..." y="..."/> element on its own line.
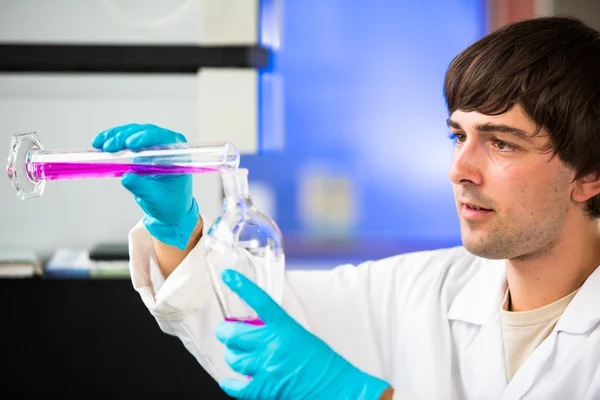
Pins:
<point x="29" y="165"/>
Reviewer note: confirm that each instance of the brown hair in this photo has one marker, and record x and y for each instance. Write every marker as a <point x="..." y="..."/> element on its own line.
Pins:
<point x="551" y="67"/>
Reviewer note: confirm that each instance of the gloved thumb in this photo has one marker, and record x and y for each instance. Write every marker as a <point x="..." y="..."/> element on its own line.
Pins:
<point x="138" y="186"/>
<point x="134" y="183"/>
<point x="266" y="308"/>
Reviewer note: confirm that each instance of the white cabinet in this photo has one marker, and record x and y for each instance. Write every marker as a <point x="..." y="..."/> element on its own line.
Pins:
<point x="68" y="108"/>
<point x="213" y="44"/>
<point x="129" y="21"/>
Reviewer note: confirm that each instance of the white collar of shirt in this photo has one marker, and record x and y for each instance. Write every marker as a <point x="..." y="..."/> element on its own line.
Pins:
<point x="481" y="298"/>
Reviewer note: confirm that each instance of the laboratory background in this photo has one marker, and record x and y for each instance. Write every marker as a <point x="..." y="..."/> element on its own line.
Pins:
<point x="335" y="106"/>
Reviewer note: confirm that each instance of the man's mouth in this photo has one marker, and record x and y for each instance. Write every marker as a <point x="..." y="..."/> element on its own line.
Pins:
<point x="474" y="207"/>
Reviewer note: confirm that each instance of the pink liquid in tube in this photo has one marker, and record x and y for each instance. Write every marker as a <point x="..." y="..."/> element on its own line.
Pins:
<point x="29" y="166"/>
<point x="249" y="321"/>
<point x="51" y="171"/>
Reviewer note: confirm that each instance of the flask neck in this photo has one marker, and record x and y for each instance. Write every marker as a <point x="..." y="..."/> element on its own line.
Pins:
<point x="235" y="186"/>
<point x="241" y="203"/>
<point x="235" y="189"/>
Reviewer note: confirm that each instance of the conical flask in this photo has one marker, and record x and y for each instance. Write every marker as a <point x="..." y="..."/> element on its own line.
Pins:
<point x="244" y="239"/>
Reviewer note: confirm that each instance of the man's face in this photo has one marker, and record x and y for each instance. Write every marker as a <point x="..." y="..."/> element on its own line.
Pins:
<point x="524" y="193"/>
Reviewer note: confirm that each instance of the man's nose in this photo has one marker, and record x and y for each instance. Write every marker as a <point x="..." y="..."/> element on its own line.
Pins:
<point x="466" y="164"/>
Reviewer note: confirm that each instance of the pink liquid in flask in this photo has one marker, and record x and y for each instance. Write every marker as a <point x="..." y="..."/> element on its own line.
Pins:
<point x="66" y="170"/>
<point x="249" y="321"/>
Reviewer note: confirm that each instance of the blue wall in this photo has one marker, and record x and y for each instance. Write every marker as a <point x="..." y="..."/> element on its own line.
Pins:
<point x="363" y="93"/>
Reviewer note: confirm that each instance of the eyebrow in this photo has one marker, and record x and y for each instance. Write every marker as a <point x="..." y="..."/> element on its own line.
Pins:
<point x="499" y="128"/>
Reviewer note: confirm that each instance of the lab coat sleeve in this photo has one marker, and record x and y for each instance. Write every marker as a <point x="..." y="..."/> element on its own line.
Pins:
<point x="183" y="304"/>
<point x="401" y="396"/>
<point x="351" y="308"/>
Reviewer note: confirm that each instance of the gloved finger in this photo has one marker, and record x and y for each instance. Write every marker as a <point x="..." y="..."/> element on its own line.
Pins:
<point x="136" y="184"/>
<point x="153" y="136"/>
<point x="240" y="336"/>
<point x="266" y="308"/>
<point x="117" y="141"/>
<point x="102" y="137"/>
<point x="241" y="361"/>
<point x="235" y="388"/>
<point x="140" y="187"/>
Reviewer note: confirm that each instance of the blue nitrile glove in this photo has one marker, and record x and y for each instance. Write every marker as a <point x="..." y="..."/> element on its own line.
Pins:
<point x="171" y="211"/>
<point x="282" y="359"/>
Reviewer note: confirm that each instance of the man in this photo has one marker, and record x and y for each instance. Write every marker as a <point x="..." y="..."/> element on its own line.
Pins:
<point x="514" y="313"/>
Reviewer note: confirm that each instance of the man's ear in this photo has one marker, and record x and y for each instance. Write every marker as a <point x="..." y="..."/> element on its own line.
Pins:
<point x="586" y="187"/>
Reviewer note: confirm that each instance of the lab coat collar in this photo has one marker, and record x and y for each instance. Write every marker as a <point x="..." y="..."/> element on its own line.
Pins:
<point x="583" y="313"/>
<point x="481" y="297"/>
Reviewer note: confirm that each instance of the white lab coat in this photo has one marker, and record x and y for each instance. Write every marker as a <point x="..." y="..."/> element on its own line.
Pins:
<point x="428" y="323"/>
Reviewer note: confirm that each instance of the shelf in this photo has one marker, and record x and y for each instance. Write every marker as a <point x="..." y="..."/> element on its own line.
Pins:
<point x="127" y="58"/>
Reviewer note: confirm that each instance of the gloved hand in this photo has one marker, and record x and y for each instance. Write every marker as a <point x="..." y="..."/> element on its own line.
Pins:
<point x="282" y="359"/>
<point x="171" y="212"/>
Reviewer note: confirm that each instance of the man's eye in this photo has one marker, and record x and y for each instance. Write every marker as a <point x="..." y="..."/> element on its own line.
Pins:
<point x="503" y="146"/>
<point x="456" y="137"/>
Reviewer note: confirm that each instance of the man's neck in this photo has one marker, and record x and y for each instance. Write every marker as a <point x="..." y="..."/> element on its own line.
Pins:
<point x="538" y="280"/>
